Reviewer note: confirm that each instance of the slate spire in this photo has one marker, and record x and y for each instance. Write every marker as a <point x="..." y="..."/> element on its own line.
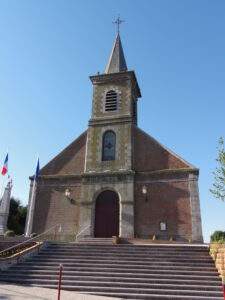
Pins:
<point x="116" y="61"/>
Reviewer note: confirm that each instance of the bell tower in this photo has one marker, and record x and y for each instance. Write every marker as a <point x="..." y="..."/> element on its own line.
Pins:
<point x="108" y="161"/>
<point x="114" y="109"/>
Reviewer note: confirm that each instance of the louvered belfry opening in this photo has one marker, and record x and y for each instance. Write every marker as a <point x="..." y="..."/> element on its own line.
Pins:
<point x="111" y="101"/>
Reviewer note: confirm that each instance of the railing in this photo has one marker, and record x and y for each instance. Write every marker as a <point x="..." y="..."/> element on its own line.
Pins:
<point x="79" y="233"/>
<point x="49" y="234"/>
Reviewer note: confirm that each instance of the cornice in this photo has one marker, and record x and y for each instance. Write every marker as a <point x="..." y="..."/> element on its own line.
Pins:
<point x="126" y="75"/>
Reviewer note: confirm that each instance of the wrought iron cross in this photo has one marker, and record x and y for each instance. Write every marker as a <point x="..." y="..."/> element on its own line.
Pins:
<point x="117" y="23"/>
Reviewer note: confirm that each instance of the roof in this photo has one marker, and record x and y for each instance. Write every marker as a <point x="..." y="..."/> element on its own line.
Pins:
<point x="117" y="62"/>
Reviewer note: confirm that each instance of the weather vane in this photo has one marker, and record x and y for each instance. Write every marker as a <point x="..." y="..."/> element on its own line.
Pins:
<point x="117" y="23"/>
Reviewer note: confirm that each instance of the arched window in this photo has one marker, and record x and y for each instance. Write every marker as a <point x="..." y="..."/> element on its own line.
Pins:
<point x="111" y="101"/>
<point x="108" y="145"/>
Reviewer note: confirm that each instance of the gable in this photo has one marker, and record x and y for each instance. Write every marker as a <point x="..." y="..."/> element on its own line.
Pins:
<point x="70" y="161"/>
<point x="150" y="155"/>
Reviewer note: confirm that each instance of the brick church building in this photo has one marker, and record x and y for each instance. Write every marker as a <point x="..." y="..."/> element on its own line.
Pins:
<point x="115" y="179"/>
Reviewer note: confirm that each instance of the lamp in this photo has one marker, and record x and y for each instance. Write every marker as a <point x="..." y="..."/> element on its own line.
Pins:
<point x="144" y="192"/>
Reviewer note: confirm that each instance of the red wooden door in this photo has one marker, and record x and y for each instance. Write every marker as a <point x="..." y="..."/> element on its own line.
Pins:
<point x="107" y="214"/>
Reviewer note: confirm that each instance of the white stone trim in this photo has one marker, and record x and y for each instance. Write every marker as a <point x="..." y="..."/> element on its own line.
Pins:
<point x="196" y="222"/>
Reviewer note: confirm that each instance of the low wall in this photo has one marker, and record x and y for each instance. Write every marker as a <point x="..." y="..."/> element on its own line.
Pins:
<point x="217" y="252"/>
<point x="7" y="262"/>
<point x="9" y="241"/>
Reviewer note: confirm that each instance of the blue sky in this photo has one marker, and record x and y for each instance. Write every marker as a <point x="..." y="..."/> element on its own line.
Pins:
<point x="49" y="48"/>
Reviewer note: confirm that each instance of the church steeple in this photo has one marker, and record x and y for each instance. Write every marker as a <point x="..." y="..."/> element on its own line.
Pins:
<point x="117" y="62"/>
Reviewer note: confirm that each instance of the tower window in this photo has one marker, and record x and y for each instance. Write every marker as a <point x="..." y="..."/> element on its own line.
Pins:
<point x="109" y="146"/>
<point x="111" y="101"/>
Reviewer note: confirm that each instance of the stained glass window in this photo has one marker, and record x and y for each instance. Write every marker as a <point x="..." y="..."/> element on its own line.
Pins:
<point x="109" y="145"/>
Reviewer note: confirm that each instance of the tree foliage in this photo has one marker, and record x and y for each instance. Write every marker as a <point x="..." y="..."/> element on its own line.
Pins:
<point x="218" y="188"/>
<point x="17" y="216"/>
<point x="218" y="236"/>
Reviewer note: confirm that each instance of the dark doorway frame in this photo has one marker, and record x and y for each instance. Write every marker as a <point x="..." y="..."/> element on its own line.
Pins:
<point x="107" y="214"/>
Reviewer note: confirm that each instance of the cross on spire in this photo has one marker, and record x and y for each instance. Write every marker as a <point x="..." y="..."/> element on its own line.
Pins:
<point x="117" y="22"/>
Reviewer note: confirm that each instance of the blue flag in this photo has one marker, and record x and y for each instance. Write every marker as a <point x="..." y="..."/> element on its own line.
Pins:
<point x="37" y="170"/>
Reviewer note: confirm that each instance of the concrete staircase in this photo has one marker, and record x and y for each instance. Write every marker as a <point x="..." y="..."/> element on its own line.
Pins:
<point x="125" y="271"/>
<point x="95" y="241"/>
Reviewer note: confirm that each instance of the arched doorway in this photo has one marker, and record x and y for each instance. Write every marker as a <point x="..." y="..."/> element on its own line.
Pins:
<point x="107" y="214"/>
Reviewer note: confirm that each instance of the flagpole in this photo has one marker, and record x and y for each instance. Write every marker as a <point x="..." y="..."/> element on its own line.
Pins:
<point x="3" y="180"/>
<point x="30" y="209"/>
<point x="32" y="202"/>
<point x="2" y="187"/>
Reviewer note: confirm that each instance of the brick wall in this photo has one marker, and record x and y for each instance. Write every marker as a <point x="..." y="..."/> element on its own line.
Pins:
<point x="149" y="155"/>
<point x="168" y="201"/>
<point x="52" y="207"/>
<point x="69" y="161"/>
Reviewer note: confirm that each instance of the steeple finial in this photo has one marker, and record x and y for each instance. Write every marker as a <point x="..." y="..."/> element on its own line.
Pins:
<point x="117" y="22"/>
<point x="117" y="62"/>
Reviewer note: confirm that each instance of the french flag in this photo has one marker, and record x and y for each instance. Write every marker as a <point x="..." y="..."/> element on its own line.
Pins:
<point x="5" y="166"/>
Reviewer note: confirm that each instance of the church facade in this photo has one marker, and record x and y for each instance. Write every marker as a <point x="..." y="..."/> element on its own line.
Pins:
<point x="115" y="179"/>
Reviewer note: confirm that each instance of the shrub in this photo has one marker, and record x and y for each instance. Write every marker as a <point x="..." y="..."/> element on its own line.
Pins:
<point x="9" y="233"/>
<point x="218" y="236"/>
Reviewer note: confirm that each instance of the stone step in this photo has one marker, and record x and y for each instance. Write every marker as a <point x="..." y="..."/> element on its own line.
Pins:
<point x="123" y="253"/>
<point x="94" y="241"/>
<point x="135" y="287"/>
<point x="129" y="247"/>
<point x="154" y="296"/>
<point x="137" y="291"/>
<point x="153" y="274"/>
<point x="52" y="256"/>
<point x="127" y="271"/>
<point x="150" y="245"/>
<point x="112" y="280"/>
<point x="125" y="248"/>
<point x="28" y="266"/>
<point x="114" y="264"/>
<point x="117" y="262"/>
<point x="80" y="239"/>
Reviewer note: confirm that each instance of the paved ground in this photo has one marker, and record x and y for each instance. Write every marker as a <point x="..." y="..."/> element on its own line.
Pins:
<point x="19" y="292"/>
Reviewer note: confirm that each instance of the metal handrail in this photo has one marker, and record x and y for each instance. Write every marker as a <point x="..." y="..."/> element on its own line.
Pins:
<point x="79" y="233"/>
<point x="29" y="240"/>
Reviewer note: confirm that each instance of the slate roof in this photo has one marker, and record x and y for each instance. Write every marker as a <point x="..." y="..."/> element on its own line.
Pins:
<point x="117" y="62"/>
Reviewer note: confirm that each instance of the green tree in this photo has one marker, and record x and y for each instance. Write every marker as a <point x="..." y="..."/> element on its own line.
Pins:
<point x="218" y="188"/>
<point x="17" y="216"/>
<point x="218" y="236"/>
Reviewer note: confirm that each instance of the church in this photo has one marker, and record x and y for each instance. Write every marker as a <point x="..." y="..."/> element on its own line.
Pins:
<point x="115" y="179"/>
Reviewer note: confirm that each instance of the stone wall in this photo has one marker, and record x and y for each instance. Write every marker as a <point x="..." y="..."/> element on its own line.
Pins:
<point x="94" y="161"/>
<point x="93" y="185"/>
